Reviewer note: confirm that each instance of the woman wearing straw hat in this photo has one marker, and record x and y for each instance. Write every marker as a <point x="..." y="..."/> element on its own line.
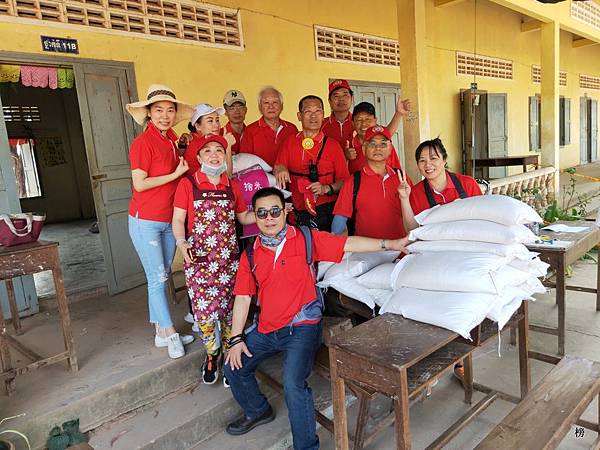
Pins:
<point x="155" y="170"/>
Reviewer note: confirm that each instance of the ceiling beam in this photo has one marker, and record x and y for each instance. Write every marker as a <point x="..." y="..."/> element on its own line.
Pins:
<point x="531" y="25"/>
<point x="447" y="2"/>
<point x="577" y="43"/>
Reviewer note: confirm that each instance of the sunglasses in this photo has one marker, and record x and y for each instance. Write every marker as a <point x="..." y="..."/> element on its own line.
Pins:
<point x="274" y="212"/>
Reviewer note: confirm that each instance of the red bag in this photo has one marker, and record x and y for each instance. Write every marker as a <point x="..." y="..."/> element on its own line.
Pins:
<point x="21" y="228"/>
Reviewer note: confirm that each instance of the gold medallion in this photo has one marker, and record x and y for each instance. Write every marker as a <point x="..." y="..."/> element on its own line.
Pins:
<point x="308" y="143"/>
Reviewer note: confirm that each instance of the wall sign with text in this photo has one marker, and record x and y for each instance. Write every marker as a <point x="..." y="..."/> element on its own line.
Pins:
<point x="59" y="45"/>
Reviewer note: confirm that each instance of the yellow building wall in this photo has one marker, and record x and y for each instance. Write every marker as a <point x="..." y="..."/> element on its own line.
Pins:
<point x="279" y="50"/>
<point x="498" y="34"/>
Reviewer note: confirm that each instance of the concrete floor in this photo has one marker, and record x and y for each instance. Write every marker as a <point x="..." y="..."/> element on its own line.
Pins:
<point x="81" y="258"/>
<point x="585" y="185"/>
<point x="114" y="343"/>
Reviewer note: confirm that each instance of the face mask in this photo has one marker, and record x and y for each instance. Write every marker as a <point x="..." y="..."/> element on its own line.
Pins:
<point x="213" y="171"/>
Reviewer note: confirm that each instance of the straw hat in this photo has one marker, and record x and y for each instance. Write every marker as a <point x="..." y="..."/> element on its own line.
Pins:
<point x="159" y="93"/>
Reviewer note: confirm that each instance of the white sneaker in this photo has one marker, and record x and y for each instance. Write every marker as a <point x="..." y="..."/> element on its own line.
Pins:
<point x="160" y="342"/>
<point x="189" y="318"/>
<point x="175" y="347"/>
<point x="196" y="328"/>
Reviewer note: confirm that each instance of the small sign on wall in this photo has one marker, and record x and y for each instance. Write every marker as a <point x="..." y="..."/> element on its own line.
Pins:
<point x="59" y="45"/>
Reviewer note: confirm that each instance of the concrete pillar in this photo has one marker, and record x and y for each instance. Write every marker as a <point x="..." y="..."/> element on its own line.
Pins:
<point x="413" y="77"/>
<point x="550" y="51"/>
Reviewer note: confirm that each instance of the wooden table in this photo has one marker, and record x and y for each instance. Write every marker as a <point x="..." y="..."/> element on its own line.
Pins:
<point x="27" y="259"/>
<point x="383" y="354"/>
<point x="559" y="257"/>
<point x="523" y="160"/>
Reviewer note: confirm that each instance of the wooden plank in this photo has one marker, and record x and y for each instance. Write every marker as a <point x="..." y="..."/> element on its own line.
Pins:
<point x="578" y="43"/>
<point x="461" y="423"/>
<point x="531" y="25"/>
<point x="338" y="394"/>
<point x="392" y="341"/>
<point x="550" y="359"/>
<point x="546" y="414"/>
<point x="441" y="3"/>
<point x="14" y="310"/>
<point x="33" y="356"/>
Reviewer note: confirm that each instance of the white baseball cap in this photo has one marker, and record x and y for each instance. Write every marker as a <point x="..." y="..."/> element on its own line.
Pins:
<point x="203" y="109"/>
<point x="232" y="96"/>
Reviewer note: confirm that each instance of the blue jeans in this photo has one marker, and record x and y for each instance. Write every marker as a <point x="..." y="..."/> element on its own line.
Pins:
<point x="299" y="345"/>
<point x="155" y="245"/>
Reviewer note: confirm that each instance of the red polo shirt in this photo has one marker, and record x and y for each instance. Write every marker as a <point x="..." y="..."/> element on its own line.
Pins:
<point x="184" y="195"/>
<point x="418" y="198"/>
<point x="260" y="139"/>
<point x="285" y="283"/>
<point x="340" y="131"/>
<point x="378" y="209"/>
<point x="235" y="148"/>
<point x="332" y="166"/>
<point x="361" y="160"/>
<point x="156" y="155"/>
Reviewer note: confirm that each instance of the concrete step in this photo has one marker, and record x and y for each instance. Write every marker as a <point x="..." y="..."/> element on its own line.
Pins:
<point x="277" y="434"/>
<point x="177" y="422"/>
<point x="119" y="369"/>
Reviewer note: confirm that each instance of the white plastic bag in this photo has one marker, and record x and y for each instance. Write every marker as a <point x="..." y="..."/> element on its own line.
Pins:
<point x="456" y="311"/>
<point x="356" y="264"/>
<point x="495" y="208"/>
<point x="510" y="250"/>
<point x="243" y="161"/>
<point x="378" y="278"/>
<point x="450" y="271"/>
<point x="352" y="289"/>
<point x="534" y="266"/>
<point x="474" y="230"/>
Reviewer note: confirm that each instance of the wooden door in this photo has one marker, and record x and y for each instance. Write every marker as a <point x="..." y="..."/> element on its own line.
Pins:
<point x="497" y="132"/>
<point x="584" y="156"/>
<point x="593" y="130"/>
<point x="108" y="132"/>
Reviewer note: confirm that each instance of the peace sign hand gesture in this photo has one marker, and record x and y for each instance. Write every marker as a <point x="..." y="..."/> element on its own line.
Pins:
<point x="403" y="186"/>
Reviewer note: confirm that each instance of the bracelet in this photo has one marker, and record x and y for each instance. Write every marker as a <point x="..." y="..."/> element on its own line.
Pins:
<point x="383" y="244"/>
<point x="180" y="241"/>
<point x="231" y="344"/>
<point x="237" y="336"/>
<point x="331" y="191"/>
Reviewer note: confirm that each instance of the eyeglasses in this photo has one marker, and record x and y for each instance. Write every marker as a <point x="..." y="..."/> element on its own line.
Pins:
<point x="236" y="108"/>
<point x="274" y="212"/>
<point x="381" y="146"/>
<point x="316" y="112"/>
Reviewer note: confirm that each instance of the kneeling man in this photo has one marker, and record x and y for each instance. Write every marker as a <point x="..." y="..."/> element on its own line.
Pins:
<point x="290" y="314"/>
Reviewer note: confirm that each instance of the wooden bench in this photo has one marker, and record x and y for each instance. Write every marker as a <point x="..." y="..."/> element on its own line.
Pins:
<point x="543" y="418"/>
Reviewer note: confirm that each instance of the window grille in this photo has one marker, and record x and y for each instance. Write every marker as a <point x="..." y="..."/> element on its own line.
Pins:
<point x="589" y="82"/>
<point x="536" y="76"/>
<point x="186" y="20"/>
<point x="346" y="46"/>
<point x="587" y="12"/>
<point x="483" y="66"/>
<point x="21" y="113"/>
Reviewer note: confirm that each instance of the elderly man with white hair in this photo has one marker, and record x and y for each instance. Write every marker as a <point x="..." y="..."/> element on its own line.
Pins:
<point x="264" y="137"/>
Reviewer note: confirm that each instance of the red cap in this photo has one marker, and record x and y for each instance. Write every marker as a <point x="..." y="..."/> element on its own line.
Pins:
<point x="336" y="84"/>
<point x="377" y="130"/>
<point x="212" y="138"/>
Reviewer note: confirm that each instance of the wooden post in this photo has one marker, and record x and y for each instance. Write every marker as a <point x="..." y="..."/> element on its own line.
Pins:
<point x="560" y="302"/>
<point x="598" y="286"/>
<point x="63" y="310"/>
<point x="524" y="368"/>
<point x="338" y="393"/>
<point x="14" y="310"/>
<point x="468" y="378"/>
<point x="401" y="405"/>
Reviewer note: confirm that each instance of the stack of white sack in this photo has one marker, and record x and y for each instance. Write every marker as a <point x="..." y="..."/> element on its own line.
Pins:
<point x="468" y="262"/>
<point x="365" y="277"/>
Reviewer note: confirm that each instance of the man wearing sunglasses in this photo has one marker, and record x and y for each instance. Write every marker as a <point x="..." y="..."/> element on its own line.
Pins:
<point x="290" y="314"/>
<point x="313" y="165"/>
